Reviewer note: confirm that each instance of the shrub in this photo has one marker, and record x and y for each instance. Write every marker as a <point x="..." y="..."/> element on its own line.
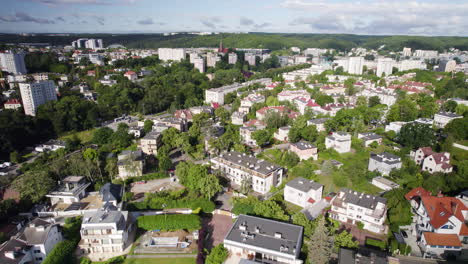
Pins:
<point x="62" y="253"/>
<point x="156" y="203"/>
<point x="169" y="222"/>
<point x="217" y="255"/>
<point x="376" y="243"/>
<point x="360" y="225"/>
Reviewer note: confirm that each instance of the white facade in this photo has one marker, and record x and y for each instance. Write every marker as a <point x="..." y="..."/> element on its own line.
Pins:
<point x="384" y="163"/>
<point x="339" y="141"/>
<point x="35" y="94"/>
<point x="250" y="59"/>
<point x="441" y="119"/>
<point x="384" y="65"/>
<point x="13" y="63"/>
<point x="199" y="64"/>
<point x="395" y="126"/>
<point x="355" y="65"/>
<point x="238" y="118"/>
<point x="437" y="162"/>
<point x="216" y="95"/>
<point x="212" y="59"/>
<point x="303" y="192"/>
<point x="166" y="54"/>
<point x="232" y="58"/>
<point x="384" y="183"/>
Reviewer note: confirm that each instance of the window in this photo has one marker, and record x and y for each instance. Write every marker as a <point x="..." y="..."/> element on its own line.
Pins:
<point x="440" y="246"/>
<point x="38" y="259"/>
<point x="37" y="251"/>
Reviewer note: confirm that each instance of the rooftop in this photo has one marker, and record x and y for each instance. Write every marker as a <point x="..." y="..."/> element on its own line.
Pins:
<point x="304" y="185"/>
<point x="303" y="145"/>
<point x="249" y="162"/>
<point x="442" y="239"/>
<point x="360" y="199"/>
<point x="386" y="157"/>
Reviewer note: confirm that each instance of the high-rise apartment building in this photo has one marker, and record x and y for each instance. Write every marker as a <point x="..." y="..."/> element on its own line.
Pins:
<point x="406" y="52"/>
<point x="384" y="65"/>
<point x="13" y="62"/>
<point x="355" y="65"/>
<point x="232" y="59"/>
<point x="34" y="94"/>
<point x="166" y="54"/>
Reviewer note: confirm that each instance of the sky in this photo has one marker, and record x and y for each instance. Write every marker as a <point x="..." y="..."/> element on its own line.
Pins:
<point x="368" y="17"/>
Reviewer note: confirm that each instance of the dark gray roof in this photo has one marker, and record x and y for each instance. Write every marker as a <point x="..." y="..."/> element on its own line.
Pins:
<point x="111" y="192"/>
<point x="318" y="120"/>
<point x="304" y="185"/>
<point x="346" y="256"/>
<point x="250" y="162"/>
<point x="448" y="114"/>
<point x="36" y="232"/>
<point x="152" y="135"/>
<point x="13" y="245"/>
<point x="369" y="136"/>
<point x="361" y="199"/>
<point x="303" y="145"/>
<point x="264" y="233"/>
<point x="128" y="154"/>
<point x="386" y="157"/>
<point x="106" y="217"/>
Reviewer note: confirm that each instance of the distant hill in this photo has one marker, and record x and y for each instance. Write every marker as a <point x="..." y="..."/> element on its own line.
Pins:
<point x="273" y="41"/>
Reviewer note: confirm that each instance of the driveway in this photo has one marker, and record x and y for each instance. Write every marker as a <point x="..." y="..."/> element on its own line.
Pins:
<point x="156" y="186"/>
<point x="411" y="241"/>
<point x="216" y="229"/>
<point x="316" y="209"/>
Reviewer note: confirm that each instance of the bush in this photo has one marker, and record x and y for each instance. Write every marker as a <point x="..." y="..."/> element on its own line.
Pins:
<point x="62" y="253"/>
<point x="156" y="203"/>
<point x="217" y="255"/>
<point x="169" y="222"/>
<point x="376" y="243"/>
<point x="360" y="225"/>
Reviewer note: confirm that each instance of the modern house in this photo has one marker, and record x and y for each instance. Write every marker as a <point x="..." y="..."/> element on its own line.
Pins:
<point x="32" y="244"/>
<point x="440" y="244"/>
<point x="432" y="161"/>
<point x="70" y="190"/>
<point x="105" y="233"/>
<point x="303" y="192"/>
<point x="339" y="141"/>
<point x="241" y="168"/>
<point x="369" y="138"/>
<point x="238" y="118"/>
<point x="384" y="184"/>
<point x="111" y="193"/>
<point x="150" y="143"/>
<point x="319" y="123"/>
<point x="441" y="119"/>
<point x="264" y="240"/>
<point x="246" y="136"/>
<point x="355" y="207"/>
<point x="384" y="162"/>
<point x="304" y="150"/>
<point x="130" y="163"/>
<point x="282" y="134"/>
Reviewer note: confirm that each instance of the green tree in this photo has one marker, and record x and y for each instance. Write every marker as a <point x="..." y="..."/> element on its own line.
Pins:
<point x="262" y="137"/>
<point x="300" y="219"/>
<point x="90" y="154"/>
<point x="416" y="135"/>
<point x="270" y="209"/>
<point x="373" y="101"/>
<point x="403" y="110"/>
<point x="148" y="126"/>
<point x="320" y="247"/>
<point x="310" y="133"/>
<point x="34" y="185"/>
<point x="15" y="157"/>
<point x="457" y="128"/>
<point x="209" y="186"/>
<point x="217" y="255"/>
<point x="222" y="114"/>
<point x="102" y="135"/>
<point x="345" y="240"/>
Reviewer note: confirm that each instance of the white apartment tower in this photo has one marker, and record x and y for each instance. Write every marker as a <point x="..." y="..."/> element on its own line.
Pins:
<point x="384" y="65"/>
<point x="355" y="65"/>
<point x="13" y="63"/>
<point x="34" y="94"/>
<point x="232" y="59"/>
<point x="406" y="52"/>
<point x="199" y="64"/>
<point x="166" y="54"/>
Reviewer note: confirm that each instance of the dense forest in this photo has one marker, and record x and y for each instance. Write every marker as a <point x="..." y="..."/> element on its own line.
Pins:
<point x="273" y="41"/>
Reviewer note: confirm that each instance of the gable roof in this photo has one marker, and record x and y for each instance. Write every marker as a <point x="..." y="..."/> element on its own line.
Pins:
<point x="419" y="191"/>
<point x="440" y="209"/>
<point x="442" y="239"/>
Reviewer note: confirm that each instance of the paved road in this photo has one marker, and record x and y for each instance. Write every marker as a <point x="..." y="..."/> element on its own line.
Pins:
<point x="163" y="256"/>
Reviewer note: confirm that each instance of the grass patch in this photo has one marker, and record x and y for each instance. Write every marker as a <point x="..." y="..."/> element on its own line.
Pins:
<point x="85" y="136"/>
<point x="160" y="260"/>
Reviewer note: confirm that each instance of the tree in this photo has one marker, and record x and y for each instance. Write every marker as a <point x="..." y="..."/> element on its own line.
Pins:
<point x="262" y="137"/>
<point x="416" y="135"/>
<point x="345" y="240"/>
<point x="15" y="157"/>
<point x="310" y="133"/>
<point x="320" y="246"/>
<point x="222" y="114"/>
<point x="148" y="126"/>
<point x="164" y="163"/>
<point x="403" y="110"/>
<point x="301" y="219"/>
<point x="102" y="135"/>
<point x="217" y="255"/>
<point x="270" y="209"/>
<point x="90" y="154"/>
<point x="399" y="209"/>
<point x="373" y="101"/>
<point x="294" y="135"/>
<point x="457" y="128"/>
<point x="209" y="186"/>
<point x="34" y="185"/>
<point x="276" y="120"/>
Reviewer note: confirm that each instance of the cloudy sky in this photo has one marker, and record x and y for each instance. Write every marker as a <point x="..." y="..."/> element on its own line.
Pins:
<point x="412" y="17"/>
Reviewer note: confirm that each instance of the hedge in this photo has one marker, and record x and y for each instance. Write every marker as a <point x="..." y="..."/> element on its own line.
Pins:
<point x="169" y="222"/>
<point x="62" y="253"/>
<point x="376" y="243"/>
<point x="157" y="203"/>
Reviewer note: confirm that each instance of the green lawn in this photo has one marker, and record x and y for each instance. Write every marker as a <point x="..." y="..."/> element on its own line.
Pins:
<point x="84" y="136"/>
<point x="160" y="261"/>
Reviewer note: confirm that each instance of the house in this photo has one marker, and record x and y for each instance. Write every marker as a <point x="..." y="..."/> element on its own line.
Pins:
<point x="304" y="150"/>
<point x="195" y="110"/>
<point x="184" y="114"/>
<point x="289" y="95"/>
<point x="105" y="233"/>
<point x="252" y="99"/>
<point x="70" y="190"/>
<point x="355" y="207"/>
<point x="135" y="131"/>
<point x="238" y="118"/>
<point x="339" y="141"/>
<point x="246" y="135"/>
<point x="441" y="119"/>
<point x="303" y="192"/>
<point x="241" y="168"/>
<point x="439" y="215"/>
<point x="395" y="126"/>
<point x="32" y="244"/>
<point x="111" y="193"/>
<point x="384" y="184"/>
<point x="384" y="162"/>
<point x="130" y="163"/>
<point x="255" y="123"/>
<point x="304" y="104"/>
<point x="263" y="112"/>
<point x="440" y="244"/>
<point x="264" y="240"/>
<point x="432" y="161"/>
<point x="369" y="138"/>
<point x="150" y="143"/>
<point x="131" y="75"/>
<point x="51" y="145"/>
<point x="12" y="104"/>
<point x="319" y="123"/>
<point x="282" y="134"/>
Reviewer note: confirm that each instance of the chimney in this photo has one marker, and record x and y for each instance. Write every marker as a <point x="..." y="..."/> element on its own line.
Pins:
<point x="278" y="235"/>
<point x="454" y="207"/>
<point x="439" y="194"/>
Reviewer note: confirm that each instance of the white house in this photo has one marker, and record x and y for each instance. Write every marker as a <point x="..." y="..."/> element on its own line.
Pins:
<point x="264" y="240"/>
<point x="241" y="168"/>
<point x="441" y="119"/>
<point x="384" y="184"/>
<point x="432" y="161"/>
<point x="352" y="207"/>
<point x="252" y="99"/>
<point x="289" y="95"/>
<point x="440" y="244"/>
<point x="319" y="123"/>
<point x="150" y="143"/>
<point x="395" y="126"/>
<point x="105" y="233"/>
<point x="384" y="162"/>
<point x="246" y="135"/>
<point x="282" y="134"/>
<point x="238" y="118"/>
<point x="369" y="138"/>
<point x="304" y="150"/>
<point x="339" y="141"/>
<point x="32" y="244"/>
<point x="130" y="163"/>
<point x="70" y="190"/>
<point x="131" y="75"/>
<point x="303" y="192"/>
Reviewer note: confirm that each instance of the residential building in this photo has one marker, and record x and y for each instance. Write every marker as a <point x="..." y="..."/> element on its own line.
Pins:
<point x="339" y="141"/>
<point x="384" y="184"/>
<point x="432" y="161"/>
<point x="212" y="59"/>
<point x="384" y="162"/>
<point x="199" y="64"/>
<point x="12" y="62"/>
<point x="439" y="216"/>
<point x="440" y="244"/>
<point x="395" y="126"/>
<point x="384" y="66"/>
<point x="246" y="135"/>
<point x="282" y="134"/>
<point x="386" y="96"/>
<point x="241" y="168"/>
<point x="232" y="58"/>
<point x="12" y="104"/>
<point x="105" y="233"/>
<point x="130" y="164"/>
<point x="289" y="95"/>
<point x="303" y="192"/>
<point x="319" y="123"/>
<point x="304" y="150"/>
<point x="406" y="52"/>
<point x="238" y="118"/>
<point x="370" y="137"/>
<point x="255" y="123"/>
<point x="355" y="65"/>
<point x="441" y="119"/>
<point x="447" y="65"/>
<point x="34" y="94"/>
<point x="252" y="99"/>
<point x="353" y="207"/>
<point x="50" y="145"/>
<point x="216" y="95"/>
<point x="135" y="131"/>
<point x="263" y="112"/>
<point x="150" y="143"/>
<point x="264" y="240"/>
<point x="426" y="53"/>
<point x="131" y="75"/>
<point x="250" y="59"/>
<point x="32" y="244"/>
<point x="168" y="54"/>
<point x="70" y="190"/>
<point x="111" y="194"/>
<point x="304" y="105"/>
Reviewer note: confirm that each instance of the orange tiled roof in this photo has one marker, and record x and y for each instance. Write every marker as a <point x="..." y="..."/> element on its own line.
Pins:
<point x="419" y="191"/>
<point x="440" y="209"/>
<point x="442" y="239"/>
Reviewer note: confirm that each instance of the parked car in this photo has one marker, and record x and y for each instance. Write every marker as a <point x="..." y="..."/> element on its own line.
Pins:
<point x="404" y="234"/>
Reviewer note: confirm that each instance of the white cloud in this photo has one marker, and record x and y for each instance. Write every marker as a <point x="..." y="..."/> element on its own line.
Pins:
<point x="24" y="17"/>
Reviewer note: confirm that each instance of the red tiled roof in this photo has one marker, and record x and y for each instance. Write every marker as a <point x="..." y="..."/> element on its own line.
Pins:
<point x="254" y="122"/>
<point x="130" y="73"/>
<point x="180" y="113"/>
<point x="13" y="101"/>
<point x="215" y="105"/>
<point x="427" y="151"/>
<point x="464" y="230"/>
<point x="311" y="201"/>
<point x="419" y="191"/>
<point x="440" y="158"/>
<point x="442" y="239"/>
<point x="440" y="209"/>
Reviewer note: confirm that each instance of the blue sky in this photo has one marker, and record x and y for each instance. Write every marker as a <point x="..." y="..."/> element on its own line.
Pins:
<point x="412" y="17"/>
